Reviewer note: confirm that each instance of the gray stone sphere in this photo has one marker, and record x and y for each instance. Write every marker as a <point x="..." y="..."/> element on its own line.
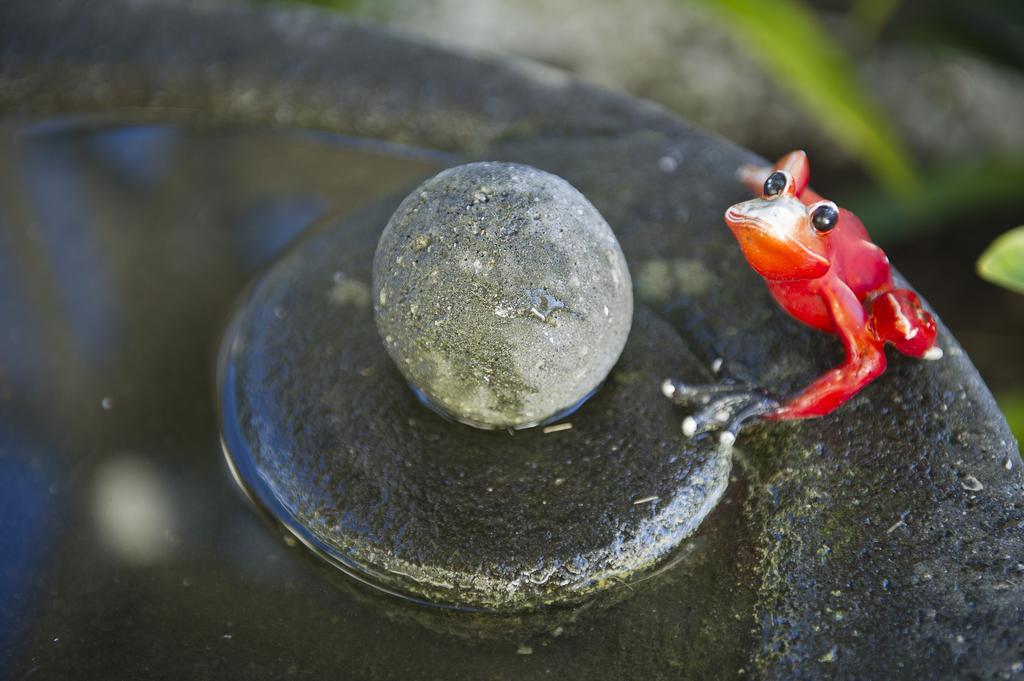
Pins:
<point x="501" y="294"/>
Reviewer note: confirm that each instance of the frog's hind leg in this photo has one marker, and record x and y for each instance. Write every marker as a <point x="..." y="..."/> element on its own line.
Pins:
<point x="897" y="317"/>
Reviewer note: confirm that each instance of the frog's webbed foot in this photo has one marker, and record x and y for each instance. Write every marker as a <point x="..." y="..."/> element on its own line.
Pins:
<point x="724" y="407"/>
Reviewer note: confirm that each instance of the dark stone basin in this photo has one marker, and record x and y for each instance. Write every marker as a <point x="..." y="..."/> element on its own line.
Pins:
<point x="859" y="546"/>
<point x="325" y="433"/>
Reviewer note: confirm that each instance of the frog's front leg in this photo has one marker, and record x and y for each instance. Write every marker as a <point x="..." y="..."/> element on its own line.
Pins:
<point x="727" y="406"/>
<point x="720" y="406"/>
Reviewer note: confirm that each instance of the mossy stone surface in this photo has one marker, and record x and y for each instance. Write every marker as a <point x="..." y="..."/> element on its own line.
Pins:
<point x="324" y="431"/>
<point x="501" y="294"/>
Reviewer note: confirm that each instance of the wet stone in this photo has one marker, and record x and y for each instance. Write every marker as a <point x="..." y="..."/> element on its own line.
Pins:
<point x="847" y="548"/>
<point x="323" y="430"/>
<point x="501" y="294"/>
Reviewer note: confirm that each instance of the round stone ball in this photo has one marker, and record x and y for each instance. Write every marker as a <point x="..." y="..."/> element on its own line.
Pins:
<point x="501" y="294"/>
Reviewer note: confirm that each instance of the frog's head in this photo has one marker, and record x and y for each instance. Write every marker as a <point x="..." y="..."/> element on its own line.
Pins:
<point x="781" y="238"/>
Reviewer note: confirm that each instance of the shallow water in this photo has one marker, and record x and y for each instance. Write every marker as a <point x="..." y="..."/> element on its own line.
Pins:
<point x="125" y="550"/>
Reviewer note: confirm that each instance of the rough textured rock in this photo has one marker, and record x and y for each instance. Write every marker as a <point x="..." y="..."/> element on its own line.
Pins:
<point x="436" y="510"/>
<point x="858" y="546"/>
<point x="877" y="556"/>
<point x="501" y="294"/>
<point x="208" y="82"/>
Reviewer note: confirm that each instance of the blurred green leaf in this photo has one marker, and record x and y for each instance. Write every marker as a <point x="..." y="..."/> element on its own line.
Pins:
<point x="945" y="194"/>
<point x="801" y="54"/>
<point x="1012" y="406"/>
<point x="1003" y="261"/>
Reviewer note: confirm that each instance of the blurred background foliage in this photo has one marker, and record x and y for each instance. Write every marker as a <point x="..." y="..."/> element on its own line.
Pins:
<point x="1002" y="263"/>
<point x="912" y="113"/>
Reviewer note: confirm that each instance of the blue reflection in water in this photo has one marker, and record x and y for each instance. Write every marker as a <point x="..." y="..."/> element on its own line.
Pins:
<point x="22" y="356"/>
<point x="70" y="243"/>
<point x="26" y="505"/>
<point x="139" y="155"/>
<point x="270" y="223"/>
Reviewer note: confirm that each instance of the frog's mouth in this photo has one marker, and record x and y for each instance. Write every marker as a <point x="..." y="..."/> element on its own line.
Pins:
<point x="767" y="232"/>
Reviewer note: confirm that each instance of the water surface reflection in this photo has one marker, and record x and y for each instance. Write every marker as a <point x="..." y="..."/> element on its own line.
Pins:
<point x="125" y="551"/>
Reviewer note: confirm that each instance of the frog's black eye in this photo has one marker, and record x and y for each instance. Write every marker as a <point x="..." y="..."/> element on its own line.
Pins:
<point x="825" y="217"/>
<point x="775" y="183"/>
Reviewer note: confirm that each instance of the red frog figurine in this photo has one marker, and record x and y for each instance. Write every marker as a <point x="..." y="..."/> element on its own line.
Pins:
<point x="821" y="267"/>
